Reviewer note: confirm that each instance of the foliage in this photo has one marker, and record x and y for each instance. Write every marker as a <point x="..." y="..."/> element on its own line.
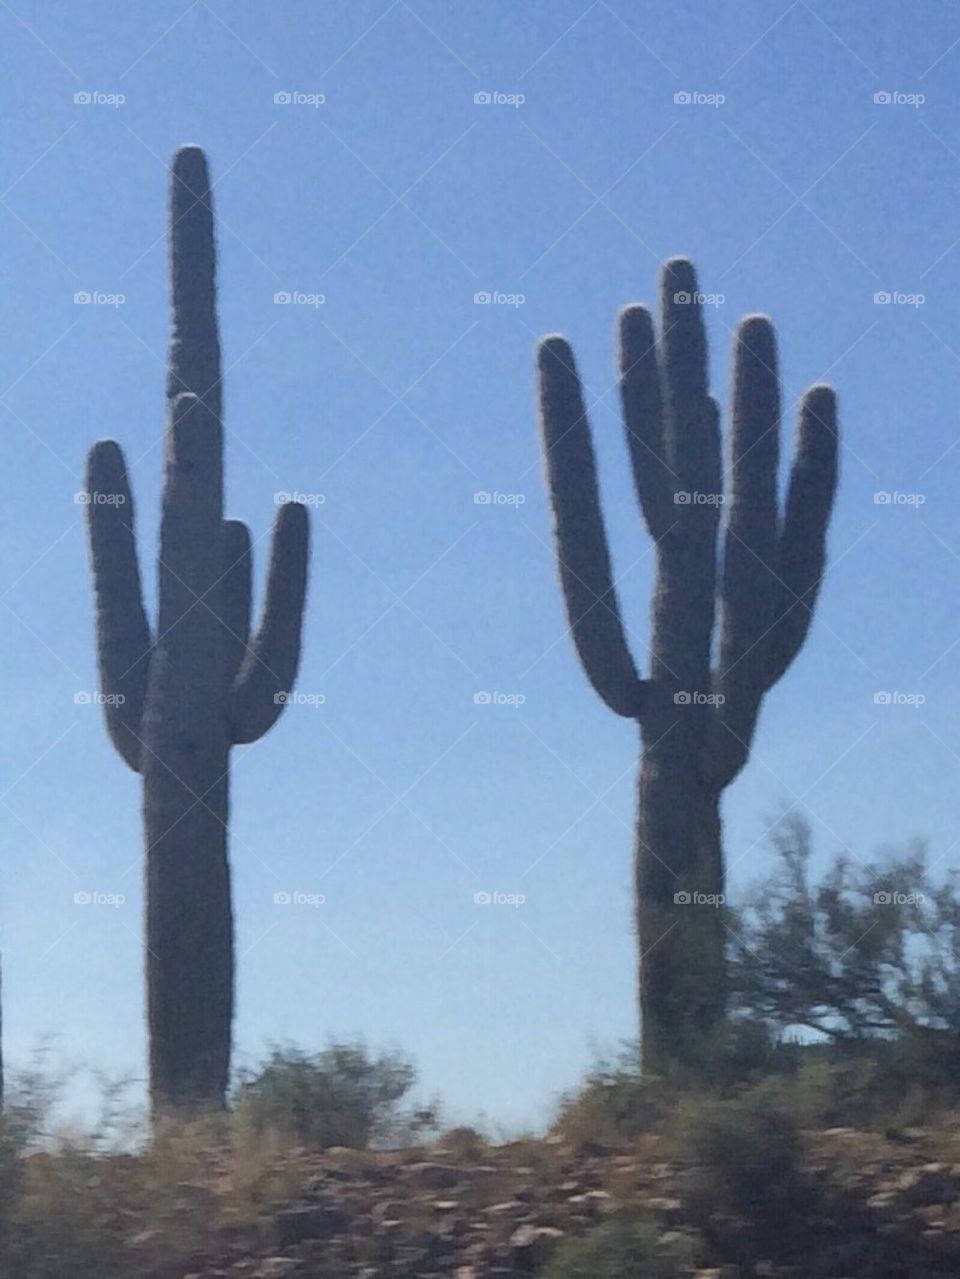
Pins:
<point x="624" y="1246"/>
<point x="868" y="958"/>
<point x="341" y="1096"/>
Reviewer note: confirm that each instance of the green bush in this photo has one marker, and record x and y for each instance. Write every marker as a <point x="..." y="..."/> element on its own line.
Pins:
<point x="341" y="1096"/>
<point x="624" y="1248"/>
<point x="744" y="1159"/>
<point x="614" y="1102"/>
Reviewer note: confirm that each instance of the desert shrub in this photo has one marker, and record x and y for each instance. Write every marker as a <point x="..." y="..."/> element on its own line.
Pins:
<point x="463" y="1141"/>
<point x="341" y="1096"/>
<point x="743" y="1157"/>
<point x="624" y="1246"/>
<point x="614" y="1102"/>
<point x="868" y="960"/>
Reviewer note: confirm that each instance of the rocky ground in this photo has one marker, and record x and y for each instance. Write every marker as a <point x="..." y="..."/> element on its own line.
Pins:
<point x="889" y="1208"/>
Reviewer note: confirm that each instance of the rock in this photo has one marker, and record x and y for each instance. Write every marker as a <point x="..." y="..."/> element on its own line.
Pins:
<point x="591" y="1150"/>
<point x="509" y="1205"/>
<point x="928" y="1184"/>
<point x="592" y="1203"/>
<point x="669" y="1209"/>
<point x="276" y="1268"/>
<point x="294" y="1225"/>
<point x="531" y="1245"/>
<point x="431" y="1175"/>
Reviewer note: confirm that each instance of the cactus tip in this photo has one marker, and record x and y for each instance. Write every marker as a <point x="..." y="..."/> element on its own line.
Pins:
<point x="190" y="168"/>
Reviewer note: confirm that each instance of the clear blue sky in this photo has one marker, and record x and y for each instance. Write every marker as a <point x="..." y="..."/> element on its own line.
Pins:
<point x="399" y="198"/>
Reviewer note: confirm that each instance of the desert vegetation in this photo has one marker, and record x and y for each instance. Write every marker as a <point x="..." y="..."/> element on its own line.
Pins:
<point x="822" y="1141"/>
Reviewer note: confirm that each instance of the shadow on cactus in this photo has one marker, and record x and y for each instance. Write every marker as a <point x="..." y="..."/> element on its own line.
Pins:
<point x="753" y="578"/>
<point x="179" y="695"/>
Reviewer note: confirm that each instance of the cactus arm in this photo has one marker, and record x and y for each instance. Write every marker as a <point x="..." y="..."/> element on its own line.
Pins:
<point x="801" y="553"/>
<point x="195" y="343"/>
<point x="642" y="399"/>
<point x="583" y="555"/>
<point x="273" y="657"/>
<point x="751" y="535"/>
<point x="684" y="601"/>
<point x="123" y="632"/>
<point x="236" y="593"/>
<point x="798" y="555"/>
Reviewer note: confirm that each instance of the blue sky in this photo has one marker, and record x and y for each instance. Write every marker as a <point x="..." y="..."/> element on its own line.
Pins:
<point x="398" y="399"/>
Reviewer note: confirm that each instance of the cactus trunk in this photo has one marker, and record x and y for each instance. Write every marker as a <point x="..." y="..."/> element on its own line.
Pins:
<point x="183" y="694"/>
<point x="681" y="970"/>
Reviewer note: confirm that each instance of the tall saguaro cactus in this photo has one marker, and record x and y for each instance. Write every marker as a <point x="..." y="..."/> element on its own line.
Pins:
<point x="179" y="695"/>
<point x="753" y="576"/>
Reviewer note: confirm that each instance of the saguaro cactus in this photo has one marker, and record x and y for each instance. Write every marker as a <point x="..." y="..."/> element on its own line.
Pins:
<point x="177" y="697"/>
<point x="698" y="708"/>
